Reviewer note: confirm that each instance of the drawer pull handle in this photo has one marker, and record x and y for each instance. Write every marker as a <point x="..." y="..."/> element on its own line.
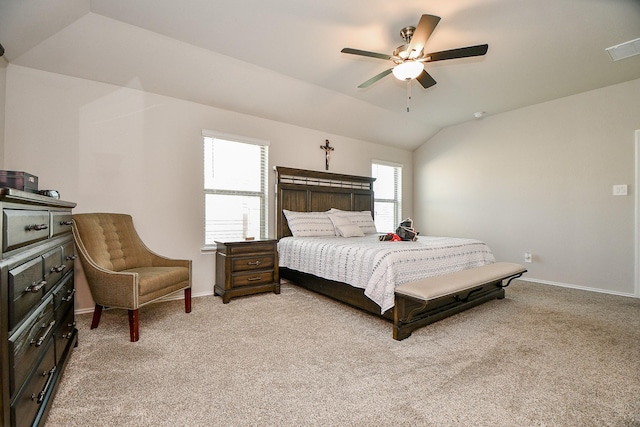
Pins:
<point x="69" y="222"/>
<point x="71" y="258"/>
<point x="58" y="268"/>
<point x="40" y="396"/>
<point x="40" y="340"/>
<point x="36" y="227"/>
<point x="36" y="286"/>
<point x="254" y="263"/>
<point x="70" y="296"/>
<point x="253" y="279"/>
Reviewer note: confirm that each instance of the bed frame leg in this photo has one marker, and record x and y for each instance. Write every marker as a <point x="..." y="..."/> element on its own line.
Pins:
<point x="400" y="333"/>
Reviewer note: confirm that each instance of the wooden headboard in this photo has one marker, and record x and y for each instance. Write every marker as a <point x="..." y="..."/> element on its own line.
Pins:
<point x="313" y="191"/>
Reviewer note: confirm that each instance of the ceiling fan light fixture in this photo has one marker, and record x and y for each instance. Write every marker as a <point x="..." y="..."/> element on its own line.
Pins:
<point x="408" y="70"/>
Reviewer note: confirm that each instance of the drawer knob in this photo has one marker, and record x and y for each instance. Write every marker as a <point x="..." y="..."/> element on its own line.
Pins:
<point x="69" y="297"/>
<point x="36" y="286"/>
<point x="58" y="268"/>
<point x="66" y="222"/>
<point x="40" y="396"/>
<point x="254" y="262"/>
<point x="71" y="258"/>
<point x="36" y="227"/>
<point x="253" y="279"/>
<point x="40" y="340"/>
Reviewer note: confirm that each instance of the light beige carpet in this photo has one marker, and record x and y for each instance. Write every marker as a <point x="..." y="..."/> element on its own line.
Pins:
<point x="544" y="356"/>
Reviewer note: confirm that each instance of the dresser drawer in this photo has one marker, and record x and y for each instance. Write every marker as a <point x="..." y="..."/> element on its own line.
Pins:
<point x="54" y="268"/>
<point x="63" y="297"/>
<point x="64" y="333"/>
<point x="252" y="278"/>
<point x="22" y="227"/>
<point x="60" y="223"/>
<point x="28" y="342"/>
<point x="26" y="289"/>
<point x="68" y="255"/>
<point x="252" y="263"/>
<point x="26" y="406"/>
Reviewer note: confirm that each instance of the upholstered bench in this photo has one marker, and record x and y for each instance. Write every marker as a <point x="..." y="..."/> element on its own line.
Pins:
<point x="449" y="293"/>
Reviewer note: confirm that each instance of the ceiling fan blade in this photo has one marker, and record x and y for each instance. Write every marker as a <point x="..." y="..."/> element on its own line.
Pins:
<point x="425" y="79"/>
<point x="374" y="79"/>
<point x="365" y="53"/>
<point x="422" y="33"/>
<point x="463" y="52"/>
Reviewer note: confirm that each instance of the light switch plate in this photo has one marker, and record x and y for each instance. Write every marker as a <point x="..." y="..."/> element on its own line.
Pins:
<point x="620" y="190"/>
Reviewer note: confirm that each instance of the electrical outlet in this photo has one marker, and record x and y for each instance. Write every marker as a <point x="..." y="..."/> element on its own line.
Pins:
<point x="620" y="190"/>
<point x="528" y="257"/>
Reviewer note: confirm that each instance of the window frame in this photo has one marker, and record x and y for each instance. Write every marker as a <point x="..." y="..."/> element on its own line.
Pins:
<point x="262" y="194"/>
<point x="397" y="189"/>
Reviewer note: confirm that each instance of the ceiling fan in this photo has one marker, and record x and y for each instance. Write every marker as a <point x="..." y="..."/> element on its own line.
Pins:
<point x="409" y="59"/>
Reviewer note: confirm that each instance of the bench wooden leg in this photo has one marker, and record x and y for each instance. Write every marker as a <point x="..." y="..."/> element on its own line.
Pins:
<point x="187" y="300"/>
<point x="96" y="316"/>
<point x="133" y="325"/>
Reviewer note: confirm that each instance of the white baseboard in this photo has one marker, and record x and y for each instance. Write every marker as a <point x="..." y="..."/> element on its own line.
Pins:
<point x="582" y="288"/>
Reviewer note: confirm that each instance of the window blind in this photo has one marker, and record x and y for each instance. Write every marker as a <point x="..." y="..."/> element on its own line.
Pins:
<point x="387" y="195"/>
<point x="235" y="187"/>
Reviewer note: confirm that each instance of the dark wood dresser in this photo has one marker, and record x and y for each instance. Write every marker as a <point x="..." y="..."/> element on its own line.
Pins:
<point x="37" y="324"/>
<point x="246" y="267"/>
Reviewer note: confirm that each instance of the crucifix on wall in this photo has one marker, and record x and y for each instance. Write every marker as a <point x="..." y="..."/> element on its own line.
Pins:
<point x="327" y="153"/>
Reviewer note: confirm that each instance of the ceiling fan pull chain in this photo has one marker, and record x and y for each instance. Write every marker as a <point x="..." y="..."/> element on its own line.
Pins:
<point x="408" y="94"/>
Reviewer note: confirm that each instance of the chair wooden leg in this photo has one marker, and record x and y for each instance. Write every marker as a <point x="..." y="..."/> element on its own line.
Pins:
<point x="187" y="300"/>
<point x="96" y="316"/>
<point x="133" y="325"/>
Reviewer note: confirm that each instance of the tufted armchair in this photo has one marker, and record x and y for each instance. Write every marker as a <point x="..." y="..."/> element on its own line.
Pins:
<point x="121" y="271"/>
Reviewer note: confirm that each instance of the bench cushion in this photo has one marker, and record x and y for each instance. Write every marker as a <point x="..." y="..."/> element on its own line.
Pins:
<point x="438" y="286"/>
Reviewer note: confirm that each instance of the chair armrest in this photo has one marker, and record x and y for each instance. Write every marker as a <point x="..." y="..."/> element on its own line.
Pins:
<point x="163" y="261"/>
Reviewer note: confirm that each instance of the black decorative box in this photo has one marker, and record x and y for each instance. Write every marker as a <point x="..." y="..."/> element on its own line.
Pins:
<point x="19" y="180"/>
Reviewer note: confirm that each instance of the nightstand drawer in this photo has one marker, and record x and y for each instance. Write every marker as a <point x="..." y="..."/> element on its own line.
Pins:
<point x="253" y="263"/>
<point x="246" y="267"/>
<point x="251" y="247"/>
<point x="252" y="279"/>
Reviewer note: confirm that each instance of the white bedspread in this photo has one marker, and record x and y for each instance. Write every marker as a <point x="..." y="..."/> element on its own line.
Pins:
<point x="378" y="267"/>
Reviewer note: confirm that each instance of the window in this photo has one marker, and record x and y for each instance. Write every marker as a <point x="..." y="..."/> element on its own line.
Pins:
<point x="387" y="190"/>
<point x="235" y="187"/>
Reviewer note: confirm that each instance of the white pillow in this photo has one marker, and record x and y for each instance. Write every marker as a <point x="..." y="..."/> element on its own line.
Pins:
<point x="338" y="221"/>
<point x="362" y="219"/>
<point x="349" y="230"/>
<point x="344" y="226"/>
<point x="309" y="224"/>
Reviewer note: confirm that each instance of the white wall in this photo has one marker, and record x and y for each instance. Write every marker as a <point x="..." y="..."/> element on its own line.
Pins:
<point x="113" y="149"/>
<point x="540" y="179"/>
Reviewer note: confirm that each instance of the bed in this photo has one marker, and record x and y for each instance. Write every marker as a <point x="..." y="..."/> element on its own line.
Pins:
<point x="362" y="271"/>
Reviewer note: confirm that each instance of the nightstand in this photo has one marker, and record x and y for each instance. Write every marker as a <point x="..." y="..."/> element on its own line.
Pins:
<point x="245" y="267"/>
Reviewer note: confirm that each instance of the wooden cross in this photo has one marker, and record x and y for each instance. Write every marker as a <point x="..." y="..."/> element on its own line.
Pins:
<point x="327" y="153"/>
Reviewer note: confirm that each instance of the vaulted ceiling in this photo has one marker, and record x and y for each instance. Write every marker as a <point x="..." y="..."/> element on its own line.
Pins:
<point x="281" y="59"/>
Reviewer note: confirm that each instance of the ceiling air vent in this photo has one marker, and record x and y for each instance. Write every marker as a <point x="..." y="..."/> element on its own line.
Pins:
<point x="624" y="50"/>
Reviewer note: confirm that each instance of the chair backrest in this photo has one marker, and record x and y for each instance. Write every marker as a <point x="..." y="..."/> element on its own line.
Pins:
<point x="111" y="241"/>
